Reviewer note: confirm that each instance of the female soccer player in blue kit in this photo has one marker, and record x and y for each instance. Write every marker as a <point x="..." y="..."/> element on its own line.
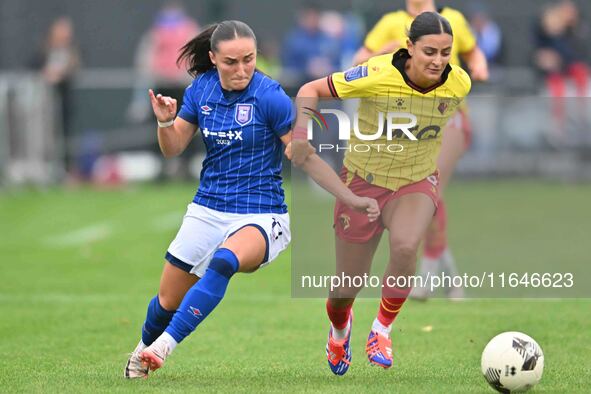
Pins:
<point x="238" y="219"/>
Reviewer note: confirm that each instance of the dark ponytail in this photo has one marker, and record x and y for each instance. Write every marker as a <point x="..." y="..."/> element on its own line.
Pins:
<point x="196" y="51"/>
<point x="428" y="23"/>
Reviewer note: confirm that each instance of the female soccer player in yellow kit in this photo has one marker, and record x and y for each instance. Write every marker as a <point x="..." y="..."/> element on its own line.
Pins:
<point x="387" y="36"/>
<point x="417" y="81"/>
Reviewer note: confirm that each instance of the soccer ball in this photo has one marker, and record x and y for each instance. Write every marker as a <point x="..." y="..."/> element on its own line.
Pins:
<point x="512" y="362"/>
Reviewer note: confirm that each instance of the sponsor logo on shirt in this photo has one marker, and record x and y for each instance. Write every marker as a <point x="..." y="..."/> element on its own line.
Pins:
<point x="223" y="137"/>
<point x="206" y="110"/>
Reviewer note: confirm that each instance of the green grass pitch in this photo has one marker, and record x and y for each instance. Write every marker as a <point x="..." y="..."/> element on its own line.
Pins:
<point x="79" y="266"/>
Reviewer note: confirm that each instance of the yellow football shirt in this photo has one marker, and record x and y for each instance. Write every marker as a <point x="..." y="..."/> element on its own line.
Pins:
<point x="383" y="88"/>
<point x="394" y="26"/>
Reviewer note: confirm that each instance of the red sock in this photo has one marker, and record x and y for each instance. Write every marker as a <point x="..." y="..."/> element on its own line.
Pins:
<point x="339" y="316"/>
<point x="579" y="72"/>
<point x="436" y="237"/>
<point x="390" y="306"/>
<point x="556" y="84"/>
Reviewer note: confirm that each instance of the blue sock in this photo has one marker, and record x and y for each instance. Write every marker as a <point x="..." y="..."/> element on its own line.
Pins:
<point x="205" y="295"/>
<point x="157" y="320"/>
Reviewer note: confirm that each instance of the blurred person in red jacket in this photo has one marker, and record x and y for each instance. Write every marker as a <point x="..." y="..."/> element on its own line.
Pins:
<point x="561" y="46"/>
<point x="156" y="65"/>
<point x="561" y="42"/>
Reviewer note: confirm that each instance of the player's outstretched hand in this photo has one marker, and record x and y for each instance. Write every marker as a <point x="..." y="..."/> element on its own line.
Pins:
<point x="367" y="205"/>
<point x="164" y="107"/>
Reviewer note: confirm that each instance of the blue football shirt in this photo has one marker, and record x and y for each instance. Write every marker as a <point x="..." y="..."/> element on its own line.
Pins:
<point x="242" y="169"/>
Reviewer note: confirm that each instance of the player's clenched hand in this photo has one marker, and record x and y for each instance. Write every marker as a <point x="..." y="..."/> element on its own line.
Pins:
<point x="164" y="107"/>
<point x="367" y="205"/>
<point x="298" y="150"/>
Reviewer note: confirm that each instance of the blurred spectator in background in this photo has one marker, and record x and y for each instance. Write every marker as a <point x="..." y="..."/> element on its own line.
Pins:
<point x="320" y="44"/>
<point x="156" y="57"/>
<point x="346" y="33"/>
<point x="268" y="58"/>
<point x="308" y="51"/>
<point x="561" y="44"/>
<point x="57" y="60"/>
<point x="157" y="68"/>
<point x="488" y="34"/>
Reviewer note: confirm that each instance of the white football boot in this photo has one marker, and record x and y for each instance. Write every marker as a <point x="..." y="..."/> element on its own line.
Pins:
<point x="134" y="368"/>
<point x="154" y="355"/>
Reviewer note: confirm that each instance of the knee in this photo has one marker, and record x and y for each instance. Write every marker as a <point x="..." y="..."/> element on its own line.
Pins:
<point x="404" y="249"/>
<point x="224" y="262"/>
<point x="403" y="254"/>
<point x="169" y="300"/>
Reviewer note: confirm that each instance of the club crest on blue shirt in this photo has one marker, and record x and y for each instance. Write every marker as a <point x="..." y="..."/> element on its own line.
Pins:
<point x="243" y="114"/>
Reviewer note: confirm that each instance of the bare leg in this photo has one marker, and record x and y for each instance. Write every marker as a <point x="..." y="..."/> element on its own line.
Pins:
<point x="352" y="259"/>
<point x="406" y="218"/>
<point x="436" y="254"/>
<point x="249" y="245"/>
<point x="174" y="284"/>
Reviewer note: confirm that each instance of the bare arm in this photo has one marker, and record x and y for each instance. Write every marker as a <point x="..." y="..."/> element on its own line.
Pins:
<point x="173" y="140"/>
<point x="477" y="64"/>
<point x="325" y="176"/>
<point x="307" y="96"/>
<point x="363" y="54"/>
<point x="303" y="155"/>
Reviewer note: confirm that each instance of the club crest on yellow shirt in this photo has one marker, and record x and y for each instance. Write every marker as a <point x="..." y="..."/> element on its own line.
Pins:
<point x="443" y="105"/>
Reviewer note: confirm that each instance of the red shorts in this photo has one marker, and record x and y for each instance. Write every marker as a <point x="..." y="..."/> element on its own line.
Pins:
<point x="353" y="226"/>
<point x="461" y="121"/>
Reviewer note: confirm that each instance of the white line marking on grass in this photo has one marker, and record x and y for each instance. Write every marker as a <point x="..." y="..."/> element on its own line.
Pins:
<point x="112" y="297"/>
<point x="272" y="298"/>
<point x="80" y="236"/>
<point x="63" y="298"/>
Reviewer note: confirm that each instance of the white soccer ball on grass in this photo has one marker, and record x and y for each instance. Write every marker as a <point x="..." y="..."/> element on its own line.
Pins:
<point x="512" y="362"/>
